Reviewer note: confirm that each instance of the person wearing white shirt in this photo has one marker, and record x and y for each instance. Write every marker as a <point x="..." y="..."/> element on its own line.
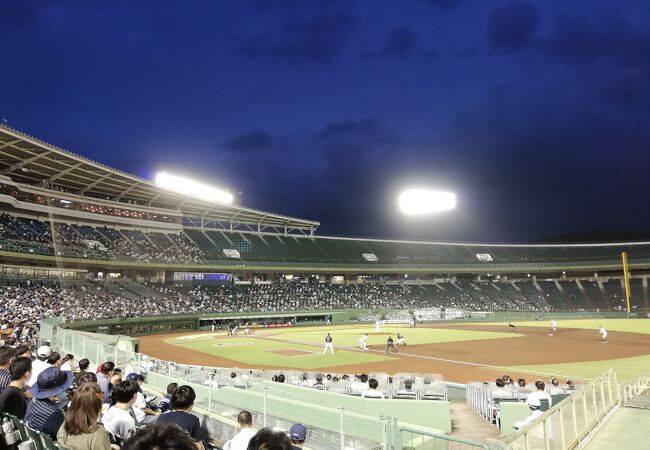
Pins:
<point x="119" y="420"/>
<point x="534" y="405"/>
<point x="241" y="439"/>
<point x="540" y="393"/>
<point x="40" y="363"/>
<point x="372" y="392"/>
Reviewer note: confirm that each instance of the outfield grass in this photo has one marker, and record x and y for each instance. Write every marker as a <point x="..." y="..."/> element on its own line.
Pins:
<point x="630" y="325"/>
<point x="626" y="368"/>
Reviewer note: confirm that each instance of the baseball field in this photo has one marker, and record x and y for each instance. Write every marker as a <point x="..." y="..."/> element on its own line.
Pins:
<point x="460" y="352"/>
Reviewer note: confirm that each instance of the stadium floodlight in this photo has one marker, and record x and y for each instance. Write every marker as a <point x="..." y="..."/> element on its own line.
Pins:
<point x="192" y="188"/>
<point x="424" y="201"/>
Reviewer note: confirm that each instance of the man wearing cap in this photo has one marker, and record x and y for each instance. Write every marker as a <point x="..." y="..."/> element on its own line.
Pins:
<point x="43" y="413"/>
<point x="298" y="435"/>
<point x="533" y="404"/>
<point x="40" y="363"/>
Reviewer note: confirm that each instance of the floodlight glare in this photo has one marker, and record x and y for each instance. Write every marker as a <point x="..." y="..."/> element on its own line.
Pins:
<point x="423" y="201"/>
<point x="192" y="188"/>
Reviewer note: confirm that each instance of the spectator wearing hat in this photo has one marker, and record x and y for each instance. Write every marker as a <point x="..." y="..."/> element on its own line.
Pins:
<point x="104" y="380"/>
<point x="298" y="436"/>
<point x="7" y="355"/>
<point x="246" y="433"/>
<point x="182" y="403"/>
<point x="43" y="414"/>
<point x="40" y="363"/>
<point x="534" y="405"/>
<point x="12" y="399"/>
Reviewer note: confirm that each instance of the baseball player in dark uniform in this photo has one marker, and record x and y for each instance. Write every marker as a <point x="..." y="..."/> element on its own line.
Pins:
<point x="389" y="344"/>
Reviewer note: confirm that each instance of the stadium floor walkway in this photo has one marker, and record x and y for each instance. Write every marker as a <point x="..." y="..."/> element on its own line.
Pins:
<point x="628" y="428"/>
<point x="465" y="423"/>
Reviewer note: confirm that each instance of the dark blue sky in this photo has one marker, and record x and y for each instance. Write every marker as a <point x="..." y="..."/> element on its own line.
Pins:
<point x="537" y="114"/>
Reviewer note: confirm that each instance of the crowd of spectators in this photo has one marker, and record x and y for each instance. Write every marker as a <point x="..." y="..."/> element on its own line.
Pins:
<point x="22" y="307"/>
<point x="84" y="410"/>
<point x="100" y="242"/>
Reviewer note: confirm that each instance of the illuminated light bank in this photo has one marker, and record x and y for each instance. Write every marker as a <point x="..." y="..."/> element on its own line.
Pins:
<point x="191" y="188"/>
<point x="423" y="201"/>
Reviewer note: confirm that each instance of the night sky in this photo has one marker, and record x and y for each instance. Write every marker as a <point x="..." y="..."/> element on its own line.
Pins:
<point x="537" y="114"/>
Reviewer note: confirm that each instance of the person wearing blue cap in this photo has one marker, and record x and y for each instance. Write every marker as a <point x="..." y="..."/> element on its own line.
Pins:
<point x="298" y="435"/>
<point x="43" y="414"/>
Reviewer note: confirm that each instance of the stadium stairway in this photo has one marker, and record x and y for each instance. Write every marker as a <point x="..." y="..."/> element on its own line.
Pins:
<point x="465" y="423"/>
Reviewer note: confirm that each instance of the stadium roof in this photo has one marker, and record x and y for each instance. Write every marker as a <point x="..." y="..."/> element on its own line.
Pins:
<point x="26" y="159"/>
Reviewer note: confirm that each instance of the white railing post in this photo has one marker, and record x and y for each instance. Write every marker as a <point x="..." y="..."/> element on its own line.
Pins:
<point x="266" y="390"/>
<point x="342" y="426"/>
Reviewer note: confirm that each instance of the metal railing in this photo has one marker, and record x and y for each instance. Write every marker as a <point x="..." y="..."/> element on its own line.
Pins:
<point x="632" y="388"/>
<point x="567" y="423"/>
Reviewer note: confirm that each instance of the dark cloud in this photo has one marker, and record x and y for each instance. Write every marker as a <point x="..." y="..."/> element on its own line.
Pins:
<point x="319" y="38"/>
<point x="247" y="142"/>
<point x="511" y="27"/>
<point x="580" y="40"/>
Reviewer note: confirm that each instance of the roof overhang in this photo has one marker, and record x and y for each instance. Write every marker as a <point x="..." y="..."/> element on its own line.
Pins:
<point x="30" y="161"/>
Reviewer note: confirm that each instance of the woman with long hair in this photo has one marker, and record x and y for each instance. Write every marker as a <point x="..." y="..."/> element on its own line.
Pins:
<point x="80" y="430"/>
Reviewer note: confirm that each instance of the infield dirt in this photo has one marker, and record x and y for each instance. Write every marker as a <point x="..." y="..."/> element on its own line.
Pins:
<point x="457" y="361"/>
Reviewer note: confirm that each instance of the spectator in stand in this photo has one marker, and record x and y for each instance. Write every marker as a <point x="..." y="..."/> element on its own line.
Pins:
<point x="55" y="360"/>
<point x="541" y="393"/>
<point x="521" y="383"/>
<point x="570" y="387"/>
<point x="182" y="403"/>
<point x="298" y="436"/>
<point x="7" y="355"/>
<point x="143" y="414"/>
<point x="319" y="382"/>
<point x="67" y="363"/>
<point x="372" y="392"/>
<point x="555" y="388"/>
<point x="119" y="420"/>
<point x="80" y="430"/>
<point x="160" y="437"/>
<point x="501" y="391"/>
<point x="104" y="380"/>
<point x="246" y="433"/>
<point x="407" y="391"/>
<point x="87" y="377"/>
<point x="40" y="363"/>
<point x="12" y="400"/>
<point x="83" y="368"/>
<point x="43" y="414"/>
<point x="534" y="405"/>
<point x="268" y="439"/>
<point x="165" y="403"/>
<point x="360" y="385"/>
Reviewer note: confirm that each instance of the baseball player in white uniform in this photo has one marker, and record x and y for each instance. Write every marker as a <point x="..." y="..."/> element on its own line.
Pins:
<point x="362" y="342"/>
<point x="401" y="340"/>
<point x="553" y="325"/>
<point x="603" y="333"/>
<point x="328" y="344"/>
<point x="377" y="326"/>
<point x="247" y="330"/>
